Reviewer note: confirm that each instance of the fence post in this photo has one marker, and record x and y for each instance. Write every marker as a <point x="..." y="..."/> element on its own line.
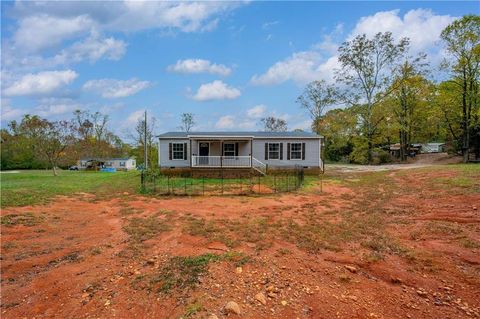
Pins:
<point x="142" y="181"/>
<point x="185" y="182"/>
<point x="275" y="183"/>
<point x="222" y="177"/>
<point x="154" y="183"/>
<point x="168" y="184"/>
<point x="288" y="186"/>
<point x="203" y="185"/>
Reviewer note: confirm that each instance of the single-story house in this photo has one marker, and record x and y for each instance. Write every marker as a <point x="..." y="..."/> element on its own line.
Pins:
<point x="126" y="163"/>
<point x="257" y="150"/>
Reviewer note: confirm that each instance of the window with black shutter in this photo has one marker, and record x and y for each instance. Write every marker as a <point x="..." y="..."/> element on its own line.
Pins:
<point x="179" y="151"/>
<point x="273" y="151"/>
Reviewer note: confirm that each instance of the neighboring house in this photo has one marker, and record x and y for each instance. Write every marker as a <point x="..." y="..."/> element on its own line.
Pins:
<point x="257" y="150"/>
<point x="117" y="163"/>
<point x="432" y="147"/>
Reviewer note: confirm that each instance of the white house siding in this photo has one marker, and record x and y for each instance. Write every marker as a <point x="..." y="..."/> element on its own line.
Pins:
<point x="312" y="152"/>
<point x="163" y="153"/>
<point x="129" y="164"/>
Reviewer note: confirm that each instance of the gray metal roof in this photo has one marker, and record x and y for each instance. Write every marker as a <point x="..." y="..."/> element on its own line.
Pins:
<point x="255" y="134"/>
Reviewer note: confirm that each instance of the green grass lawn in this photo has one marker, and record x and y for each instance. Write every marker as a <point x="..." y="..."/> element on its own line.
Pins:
<point x="37" y="186"/>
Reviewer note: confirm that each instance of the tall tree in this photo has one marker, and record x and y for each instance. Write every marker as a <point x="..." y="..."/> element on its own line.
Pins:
<point x="317" y="96"/>
<point x="273" y="124"/>
<point x="408" y="89"/>
<point x="338" y="127"/>
<point x="187" y="121"/>
<point x="366" y="68"/>
<point x="94" y="137"/>
<point x="462" y="39"/>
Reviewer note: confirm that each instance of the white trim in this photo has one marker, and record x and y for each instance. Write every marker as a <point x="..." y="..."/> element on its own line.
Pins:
<point x="234" y="148"/>
<point x="279" y="149"/>
<point x="301" y="152"/>
<point x="217" y="136"/>
<point x="183" y="152"/>
<point x="238" y="137"/>
<point x="319" y="153"/>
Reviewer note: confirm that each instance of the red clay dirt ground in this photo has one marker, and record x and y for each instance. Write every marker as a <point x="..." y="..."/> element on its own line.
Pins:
<point x="370" y="245"/>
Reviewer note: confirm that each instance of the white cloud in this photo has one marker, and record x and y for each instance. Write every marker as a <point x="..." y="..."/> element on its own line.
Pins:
<point x="225" y="122"/>
<point x="257" y="111"/>
<point x="216" y="90"/>
<point x="199" y="66"/>
<point x="229" y="122"/>
<point x="131" y="16"/>
<point x="51" y="107"/>
<point x="301" y="67"/>
<point x="10" y="112"/>
<point x="422" y="26"/>
<point x="267" y="25"/>
<point x="111" y="88"/>
<point x="40" y="83"/>
<point x="41" y="31"/>
<point x="93" y="48"/>
<point x="184" y="16"/>
<point x="133" y="118"/>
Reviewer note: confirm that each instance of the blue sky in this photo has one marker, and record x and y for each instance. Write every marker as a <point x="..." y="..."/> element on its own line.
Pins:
<point x="229" y="63"/>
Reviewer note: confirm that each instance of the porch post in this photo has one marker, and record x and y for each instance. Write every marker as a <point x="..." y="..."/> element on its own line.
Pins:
<point x="251" y="151"/>
<point x="221" y="153"/>
<point x="191" y="154"/>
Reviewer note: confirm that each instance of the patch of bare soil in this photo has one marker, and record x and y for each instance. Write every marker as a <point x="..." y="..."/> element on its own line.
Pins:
<point x="385" y="251"/>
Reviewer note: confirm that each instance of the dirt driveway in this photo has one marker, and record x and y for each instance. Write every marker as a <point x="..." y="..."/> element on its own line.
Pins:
<point x="371" y="245"/>
<point x="421" y="160"/>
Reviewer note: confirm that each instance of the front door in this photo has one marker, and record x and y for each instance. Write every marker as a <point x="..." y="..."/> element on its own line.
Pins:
<point x="203" y="152"/>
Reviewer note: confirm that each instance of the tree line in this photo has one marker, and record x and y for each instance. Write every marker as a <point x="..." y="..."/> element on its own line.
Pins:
<point x="383" y="94"/>
<point x="37" y="143"/>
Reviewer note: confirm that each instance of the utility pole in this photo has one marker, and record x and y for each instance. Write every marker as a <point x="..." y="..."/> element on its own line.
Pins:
<point x="145" y="164"/>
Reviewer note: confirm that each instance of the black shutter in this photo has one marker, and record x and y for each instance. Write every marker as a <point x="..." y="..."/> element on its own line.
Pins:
<point x="236" y="149"/>
<point x="281" y="151"/>
<point x="185" y="151"/>
<point x="266" y="151"/>
<point x="170" y="151"/>
<point x="303" y="151"/>
<point x="288" y="151"/>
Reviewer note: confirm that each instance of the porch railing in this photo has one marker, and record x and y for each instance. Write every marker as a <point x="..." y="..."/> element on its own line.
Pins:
<point x="259" y="166"/>
<point x="221" y="161"/>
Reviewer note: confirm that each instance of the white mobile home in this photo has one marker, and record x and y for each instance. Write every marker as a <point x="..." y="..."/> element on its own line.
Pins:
<point x="120" y="164"/>
<point x="257" y="150"/>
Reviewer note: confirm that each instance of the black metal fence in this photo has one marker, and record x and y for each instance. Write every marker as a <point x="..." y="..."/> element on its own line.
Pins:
<point x="155" y="182"/>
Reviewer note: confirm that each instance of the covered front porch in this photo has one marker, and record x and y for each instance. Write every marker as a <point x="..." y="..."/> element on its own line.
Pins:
<point x="221" y="152"/>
